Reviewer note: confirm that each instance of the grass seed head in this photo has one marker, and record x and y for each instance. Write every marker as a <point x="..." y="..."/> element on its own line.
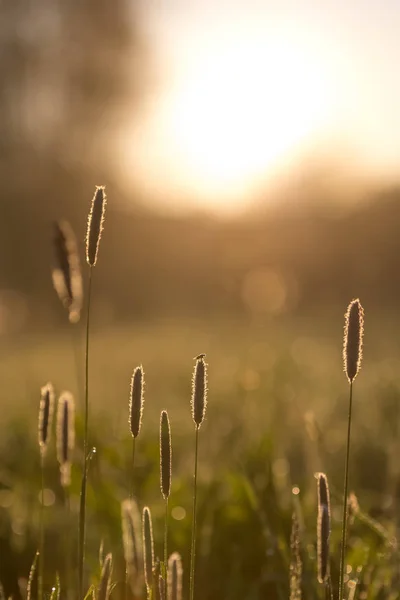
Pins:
<point x="95" y="225"/>
<point x="65" y="435"/>
<point x="353" y="339"/>
<point x="174" y="578"/>
<point x="199" y="390"/>
<point x="136" y="400"/>
<point x="67" y="277"/>
<point x="132" y="542"/>
<point x="104" y="590"/>
<point x="323" y="528"/>
<point x="148" y="546"/>
<point x="165" y="455"/>
<point x="46" y="410"/>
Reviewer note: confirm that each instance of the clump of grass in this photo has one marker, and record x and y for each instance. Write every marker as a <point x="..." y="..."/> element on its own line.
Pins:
<point x="104" y="590"/>
<point x="136" y="401"/>
<point x="296" y="566"/>
<point x="323" y="529"/>
<point x="174" y="582"/>
<point x="93" y="236"/>
<point x="352" y="356"/>
<point x="67" y="277"/>
<point x="198" y="404"/>
<point x="148" y="549"/>
<point x="165" y="471"/>
<point x="46" y="410"/>
<point x="132" y="542"/>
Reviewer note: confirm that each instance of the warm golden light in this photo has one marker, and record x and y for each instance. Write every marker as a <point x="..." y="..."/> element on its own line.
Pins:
<point x="234" y="111"/>
<point x="242" y="111"/>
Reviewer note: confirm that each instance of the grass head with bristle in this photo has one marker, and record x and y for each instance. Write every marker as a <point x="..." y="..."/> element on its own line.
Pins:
<point x="174" y="581"/>
<point x="104" y="590"/>
<point x="46" y="410"/>
<point x="67" y="277"/>
<point x="353" y="339"/>
<point x="95" y="225"/>
<point x="165" y="455"/>
<point x="323" y="528"/>
<point x="136" y="399"/>
<point x="132" y="542"/>
<point x="148" y="548"/>
<point x="65" y="435"/>
<point x="199" y="390"/>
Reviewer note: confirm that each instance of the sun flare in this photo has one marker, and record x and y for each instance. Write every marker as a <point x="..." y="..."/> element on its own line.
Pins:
<point x="234" y="112"/>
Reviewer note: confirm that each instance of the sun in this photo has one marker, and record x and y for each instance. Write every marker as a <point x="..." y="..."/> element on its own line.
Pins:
<point x="235" y="111"/>
<point x="241" y="110"/>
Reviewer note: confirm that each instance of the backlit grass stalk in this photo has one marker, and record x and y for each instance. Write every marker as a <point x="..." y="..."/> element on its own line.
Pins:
<point x="93" y="236"/>
<point x="198" y="404"/>
<point x="46" y="410"/>
<point x="352" y="356"/>
<point x="104" y="590"/>
<point x="136" y="400"/>
<point x="148" y="550"/>
<point x="165" y="472"/>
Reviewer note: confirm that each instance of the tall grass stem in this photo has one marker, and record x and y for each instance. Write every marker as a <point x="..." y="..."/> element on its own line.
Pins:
<point x="345" y="494"/>
<point x="194" y="523"/>
<point x="41" y="557"/>
<point x="166" y="535"/>
<point x="82" y="512"/>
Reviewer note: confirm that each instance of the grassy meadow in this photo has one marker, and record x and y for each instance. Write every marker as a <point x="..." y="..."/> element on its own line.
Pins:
<point x="276" y="415"/>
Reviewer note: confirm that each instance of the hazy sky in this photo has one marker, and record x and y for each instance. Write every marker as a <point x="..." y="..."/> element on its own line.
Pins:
<point x="246" y="85"/>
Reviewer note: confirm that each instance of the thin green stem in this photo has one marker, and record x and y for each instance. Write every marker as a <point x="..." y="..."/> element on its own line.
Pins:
<point x="345" y="495"/>
<point x="132" y="491"/>
<point x="41" y="556"/>
<point x="166" y="536"/>
<point x="132" y="467"/>
<point x="82" y="511"/>
<point x="193" y="548"/>
<point x="68" y="542"/>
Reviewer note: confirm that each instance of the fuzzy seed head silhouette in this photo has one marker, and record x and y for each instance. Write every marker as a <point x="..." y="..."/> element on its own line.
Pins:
<point x="67" y="277"/>
<point x="95" y="224"/>
<point x="165" y="455"/>
<point x="199" y="391"/>
<point x="174" y="578"/>
<point x="46" y="410"/>
<point x="323" y="528"/>
<point x="353" y="339"/>
<point x="148" y="546"/>
<point x="136" y="400"/>
<point x="65" y="435"/>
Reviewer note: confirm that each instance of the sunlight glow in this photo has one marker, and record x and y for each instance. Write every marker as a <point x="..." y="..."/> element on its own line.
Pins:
<point x="242" y="111"/>
<point x="234" y="111"/>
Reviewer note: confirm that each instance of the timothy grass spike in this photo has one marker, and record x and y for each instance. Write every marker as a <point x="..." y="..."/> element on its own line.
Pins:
<point x="353" y="339"/>
<point x="165" y="455"/>
<point x="199" y="390"/>
<point x="104" y="590"/>
<point x="65" y="435"/>
<point x="136" y="400"/>
<point x="148" y="546"/>
<point x="174" y="581"/>
<point x="67" y="277"/>
<point x="46" y="410"/>
<point x="323" y="528"/>
<point x="95" y="225"/>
